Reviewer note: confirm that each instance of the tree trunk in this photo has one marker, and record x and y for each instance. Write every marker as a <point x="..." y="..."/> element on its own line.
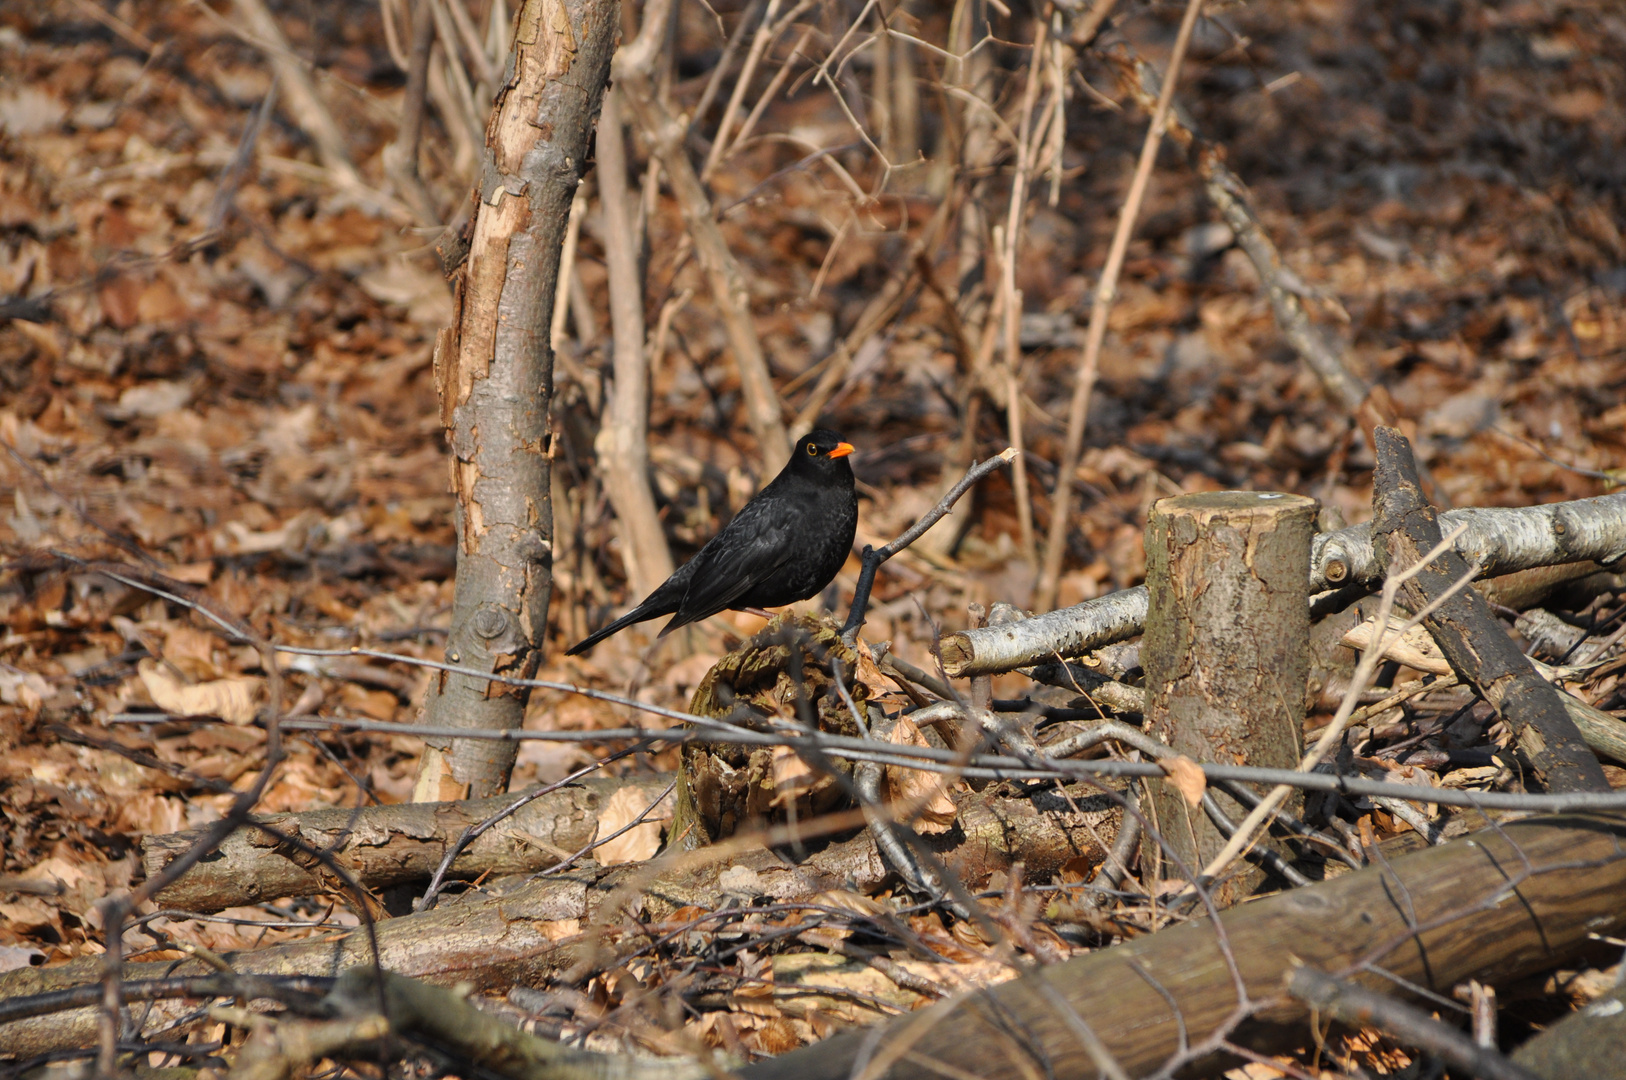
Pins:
<point x="1226" y="652"/>
<point x="494" y="367"/>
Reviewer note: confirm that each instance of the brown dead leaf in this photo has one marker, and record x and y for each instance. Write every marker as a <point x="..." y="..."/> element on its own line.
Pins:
<point x="842" y="900"/>
<point x="1186" y="777"/>
<point x="120" y="298"/>
<point x="420" y="292"/>
<point x="64" y="873"/>
<point x="792" y="777"/>
<point x="377" y="704"/>
<point x="144" y="813"/>
<point x="232" y="699"/>
<point x="638" y="843"/>
<point x="869" y="672"/>
<point x="28" y="914"/>
<point x="191" y="651"/>
<point x="23" y="688"/>
<point x="775" y="1037"/>
<point x="197" y="573"/>
<point x="559" y="929"/>
<point x="1575" y="105"/>
<point x="912" y="788"/>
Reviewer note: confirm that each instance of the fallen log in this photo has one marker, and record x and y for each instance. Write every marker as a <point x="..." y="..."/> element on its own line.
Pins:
<point x="1590" y="1042"/>
<point x="1495" y="906"/>
<point x="533" y="931"/>
<point x="384" y="846"/>
<point x="1467" y="632"/>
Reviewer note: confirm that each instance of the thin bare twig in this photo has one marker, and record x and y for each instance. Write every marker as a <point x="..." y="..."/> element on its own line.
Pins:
<point x="622" y="444"/>
<point x="634" y="70"/>
<point x="873" y="558"/>
<point x="1012" y="243"/>
<point x="401" y="156"/>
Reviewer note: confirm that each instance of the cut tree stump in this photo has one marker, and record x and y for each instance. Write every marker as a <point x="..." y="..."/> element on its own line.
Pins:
<point x="1226" y="653"/>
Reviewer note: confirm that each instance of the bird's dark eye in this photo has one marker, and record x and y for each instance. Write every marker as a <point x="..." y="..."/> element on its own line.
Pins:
<point x="812" y="451"/>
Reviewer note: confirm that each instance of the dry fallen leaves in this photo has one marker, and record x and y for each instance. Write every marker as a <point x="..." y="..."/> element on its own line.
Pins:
<point x="233" y="699"/>
<point x="1186" y="777"/>
<point x="641" y="841"/>
<point x="917" y="796"/>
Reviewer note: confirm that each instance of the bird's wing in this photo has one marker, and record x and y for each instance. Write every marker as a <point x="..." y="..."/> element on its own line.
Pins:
<point x="756" y="544"/>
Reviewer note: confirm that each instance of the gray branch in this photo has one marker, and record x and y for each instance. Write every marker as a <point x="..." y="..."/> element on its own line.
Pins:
<point x="1500" y="539"/>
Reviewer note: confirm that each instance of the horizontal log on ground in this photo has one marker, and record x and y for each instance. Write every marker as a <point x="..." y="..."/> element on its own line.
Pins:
<point x="1495" y="906"/>
<point x="520" y="936"/>
<point x="385" y="846"/>
<point x="1502" y="540"/>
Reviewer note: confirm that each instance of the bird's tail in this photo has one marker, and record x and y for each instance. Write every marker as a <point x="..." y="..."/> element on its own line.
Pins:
<point x="636" y="615"/>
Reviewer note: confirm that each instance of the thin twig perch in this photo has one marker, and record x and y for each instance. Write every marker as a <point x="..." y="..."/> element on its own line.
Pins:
<point x="874" y="558"/>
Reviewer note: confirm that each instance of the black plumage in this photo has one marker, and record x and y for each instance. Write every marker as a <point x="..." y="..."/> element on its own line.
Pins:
<point x="784" y="545"/>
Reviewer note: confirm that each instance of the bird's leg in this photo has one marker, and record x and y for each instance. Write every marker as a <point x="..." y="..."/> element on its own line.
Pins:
<point x="762" y="613"/>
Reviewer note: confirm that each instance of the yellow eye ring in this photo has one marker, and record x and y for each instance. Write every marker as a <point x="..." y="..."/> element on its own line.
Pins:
<point x="812" y="451"/>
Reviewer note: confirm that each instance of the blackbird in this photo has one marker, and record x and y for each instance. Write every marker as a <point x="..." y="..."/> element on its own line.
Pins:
<point x="783" y="546"/>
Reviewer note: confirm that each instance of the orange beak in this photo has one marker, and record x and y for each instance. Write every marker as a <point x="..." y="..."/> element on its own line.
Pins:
<point x="842" y="450"/>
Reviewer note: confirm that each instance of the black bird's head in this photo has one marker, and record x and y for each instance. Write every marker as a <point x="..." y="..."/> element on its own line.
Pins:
<point x="819" y="453"/>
